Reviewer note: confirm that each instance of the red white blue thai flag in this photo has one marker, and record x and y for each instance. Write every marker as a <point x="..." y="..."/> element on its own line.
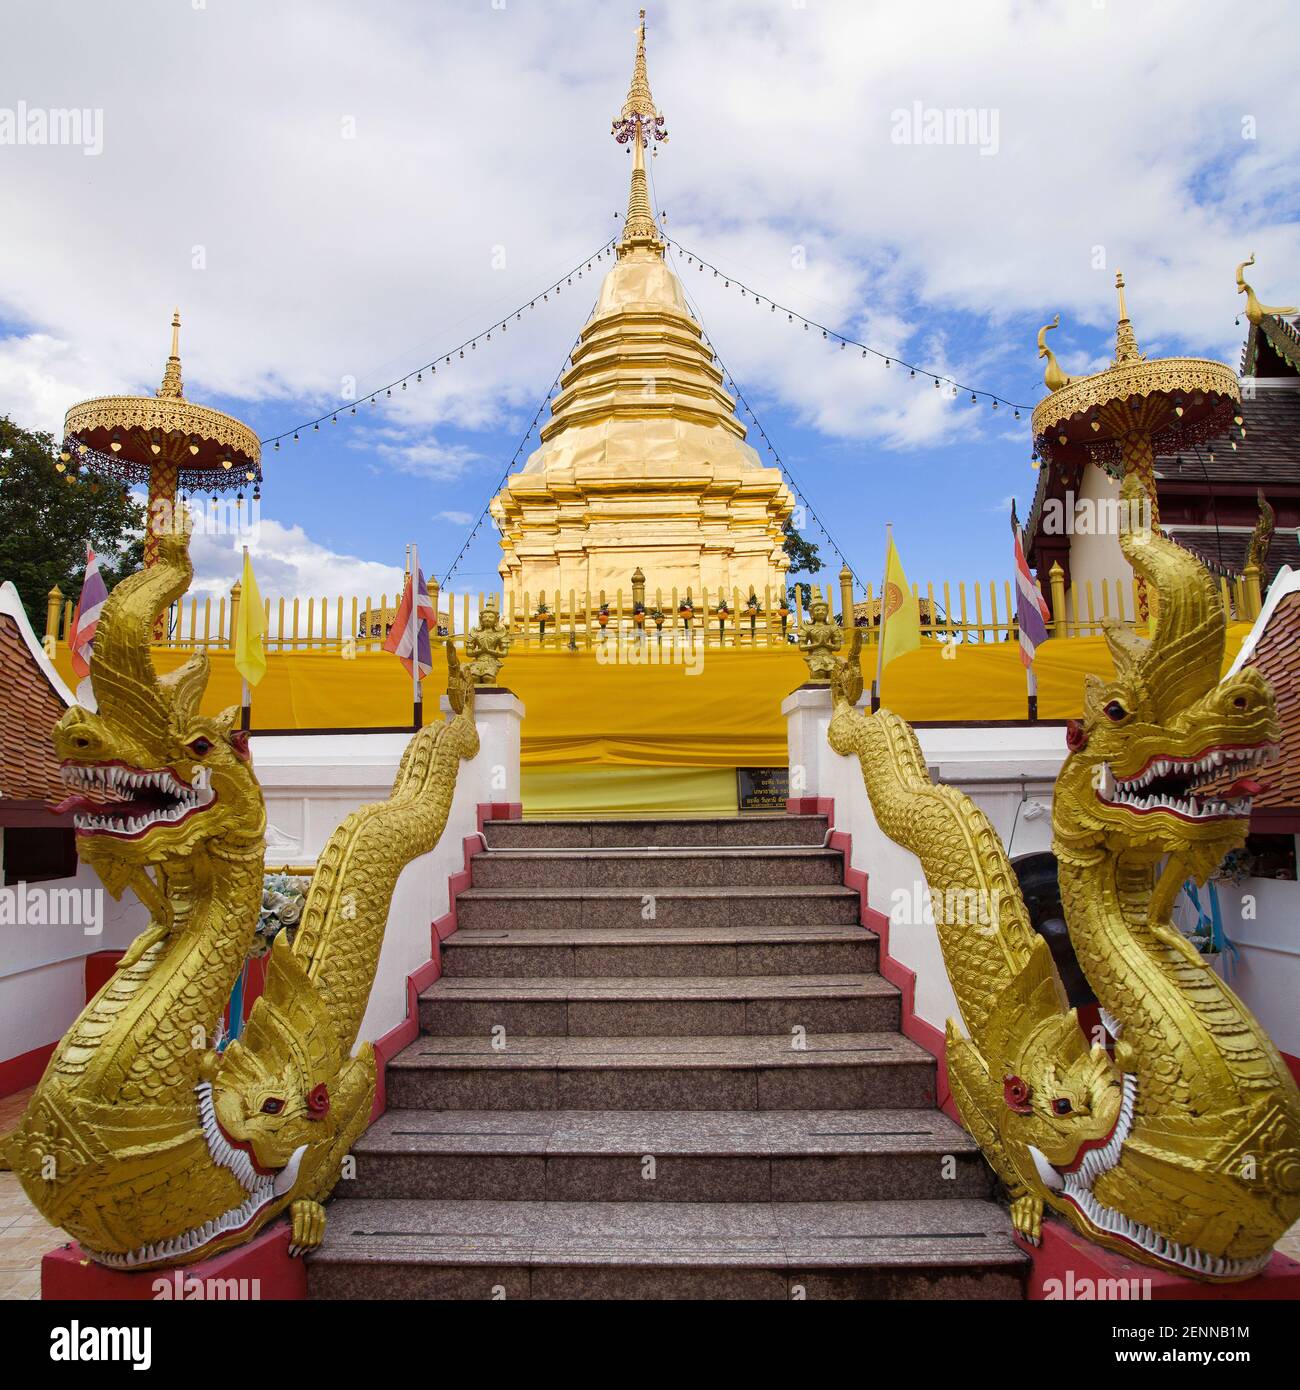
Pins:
<point x="405" y="643"/>
<point x="1032" y="612"/>
<point x="85" y="620"/>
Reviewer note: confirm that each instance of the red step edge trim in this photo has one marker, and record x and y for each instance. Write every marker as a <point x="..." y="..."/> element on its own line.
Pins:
<point x="392" y="1042"/>
<point x="901" y="976"/>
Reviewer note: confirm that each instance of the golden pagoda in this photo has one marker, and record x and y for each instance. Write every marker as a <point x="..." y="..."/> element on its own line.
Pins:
<point x="643" y="461"/>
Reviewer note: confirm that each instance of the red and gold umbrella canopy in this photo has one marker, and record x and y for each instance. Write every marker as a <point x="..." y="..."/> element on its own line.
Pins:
<point x="165" y="441"/>
<point x="1123" y="417"/>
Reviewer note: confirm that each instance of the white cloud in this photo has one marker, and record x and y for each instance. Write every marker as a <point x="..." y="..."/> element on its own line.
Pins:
<point x="456" y="518"/>
<point x="326" y="256"/>
<point x="340" y="194"/>
<point x="289" y="564"/>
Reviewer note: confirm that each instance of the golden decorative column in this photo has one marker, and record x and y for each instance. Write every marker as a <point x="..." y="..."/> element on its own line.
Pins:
<point x="846" y="595"/>
<point x="1056" y="580"/>
<point x="53" y="605"/>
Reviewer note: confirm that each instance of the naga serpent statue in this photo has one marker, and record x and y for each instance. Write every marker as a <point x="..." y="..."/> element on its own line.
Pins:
<point x="1178" y="1142"/>
<point x="141" y="1140"/>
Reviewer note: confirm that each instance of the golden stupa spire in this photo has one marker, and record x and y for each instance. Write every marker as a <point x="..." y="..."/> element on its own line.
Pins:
<point x="172" y="388"/>
<point x="1126" y="346"/>
<point x="639" y="122"/>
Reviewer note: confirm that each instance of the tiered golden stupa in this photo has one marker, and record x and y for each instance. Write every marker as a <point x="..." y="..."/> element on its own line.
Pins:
<point x="643" y="461"/>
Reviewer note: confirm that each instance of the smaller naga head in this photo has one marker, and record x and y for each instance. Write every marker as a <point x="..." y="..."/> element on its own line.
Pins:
<point x="267" y="1103"/>
<point x="846" y="677"/>
<point x="150" y="777"/>
<point x="271" y="1089"/>
<point x="1061" y="1096"/>
<point x="1164" y="758"/>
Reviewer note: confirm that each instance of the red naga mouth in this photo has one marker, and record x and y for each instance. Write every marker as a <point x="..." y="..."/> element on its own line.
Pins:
<point x="1190" y="788"/>
<point x="127" y="802"/>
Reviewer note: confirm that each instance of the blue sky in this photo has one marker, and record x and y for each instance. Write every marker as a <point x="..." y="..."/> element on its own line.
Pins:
<point x="332" y="192"/>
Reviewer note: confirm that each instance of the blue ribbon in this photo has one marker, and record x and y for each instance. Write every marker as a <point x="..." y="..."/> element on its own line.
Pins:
<point x="1219" y="939"/>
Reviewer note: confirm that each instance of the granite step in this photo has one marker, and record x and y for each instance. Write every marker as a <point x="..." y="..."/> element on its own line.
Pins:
<point x="518" y="908"/>
<point x="676" y="1006"/>
<point x="828" y="1071"/>
<point x="959" y="1248"/>
<point x="698" y="1156"/>
<point x="638" y="833"/>
<point x="657" y="867"/>
<point x="657" y="951"/>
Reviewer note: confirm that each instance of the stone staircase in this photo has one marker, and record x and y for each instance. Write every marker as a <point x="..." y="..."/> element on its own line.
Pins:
<point x="608" y="1098"/>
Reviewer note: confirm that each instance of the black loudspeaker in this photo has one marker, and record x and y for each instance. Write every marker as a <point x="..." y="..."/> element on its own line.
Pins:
<point x="1042" y="894"/>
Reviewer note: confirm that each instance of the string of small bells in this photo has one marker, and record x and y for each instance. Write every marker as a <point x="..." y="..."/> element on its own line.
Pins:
<point x="514" y="459"/>
<point x="830" y="335"/>
<point x="449" y="357"/>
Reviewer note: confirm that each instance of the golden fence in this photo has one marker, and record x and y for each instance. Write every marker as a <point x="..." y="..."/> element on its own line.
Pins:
<point x="979" y="612"/>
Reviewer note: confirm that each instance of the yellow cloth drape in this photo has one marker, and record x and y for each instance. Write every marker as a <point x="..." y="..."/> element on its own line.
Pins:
<point x="629" y="791"/>
<point x="582" y="711"/>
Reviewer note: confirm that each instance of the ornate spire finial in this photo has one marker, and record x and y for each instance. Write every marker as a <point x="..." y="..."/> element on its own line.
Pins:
<point x="1255" y="311"/>
<point x="637" y="124"/>
<point x="1126" y="347"/>
<point x="172" y="387"/>
<point x="1053" y="378"/>
<point x="1261" y="537"/>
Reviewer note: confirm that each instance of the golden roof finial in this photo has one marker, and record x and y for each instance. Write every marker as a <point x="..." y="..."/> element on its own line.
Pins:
<point x="1126" y="347"/>
<point x="1255" y="311"/>
<point x="172" y="387"/>
<point x="1053" y="377"/>
<point x="638" y="123"/>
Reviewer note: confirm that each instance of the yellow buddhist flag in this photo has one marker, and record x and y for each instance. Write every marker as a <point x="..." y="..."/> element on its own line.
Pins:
<point x="250" y="624"/>
<point x="900" y="613"/>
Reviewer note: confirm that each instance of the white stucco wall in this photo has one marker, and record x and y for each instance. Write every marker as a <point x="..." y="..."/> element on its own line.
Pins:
<point x="43" y="966"/>
<point x="1262" y="916"/>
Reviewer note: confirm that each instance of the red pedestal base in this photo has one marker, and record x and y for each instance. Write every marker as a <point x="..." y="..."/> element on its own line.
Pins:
<point x="259" y="1271"/>
<point x="1066" y="1266"/>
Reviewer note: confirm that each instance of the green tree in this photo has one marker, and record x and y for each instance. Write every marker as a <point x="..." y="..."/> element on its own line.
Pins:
<point x="804" y="559"/>
<point x="46" y="522"/>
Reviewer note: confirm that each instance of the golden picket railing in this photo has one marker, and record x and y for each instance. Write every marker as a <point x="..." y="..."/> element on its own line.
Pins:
<point x="981" y="612"/>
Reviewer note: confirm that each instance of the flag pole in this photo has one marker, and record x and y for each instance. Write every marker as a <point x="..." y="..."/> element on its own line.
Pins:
<point x="880" y="636"/>
<point x="417" y="717"/>
<point x="246" y="693"/>
<point x="1031" y="680"/>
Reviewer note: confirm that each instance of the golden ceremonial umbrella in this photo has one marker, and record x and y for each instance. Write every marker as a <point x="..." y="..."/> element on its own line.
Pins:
<point x="165" y="441"/>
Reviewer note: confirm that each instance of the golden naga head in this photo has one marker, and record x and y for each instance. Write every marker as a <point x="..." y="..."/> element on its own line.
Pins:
<point x="846" y="678"/>
<point x="460" y="684"/>
<point x="150" y="777"/>
<point x="1062" y="1097"/>
<point x="1163" y="761"/>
